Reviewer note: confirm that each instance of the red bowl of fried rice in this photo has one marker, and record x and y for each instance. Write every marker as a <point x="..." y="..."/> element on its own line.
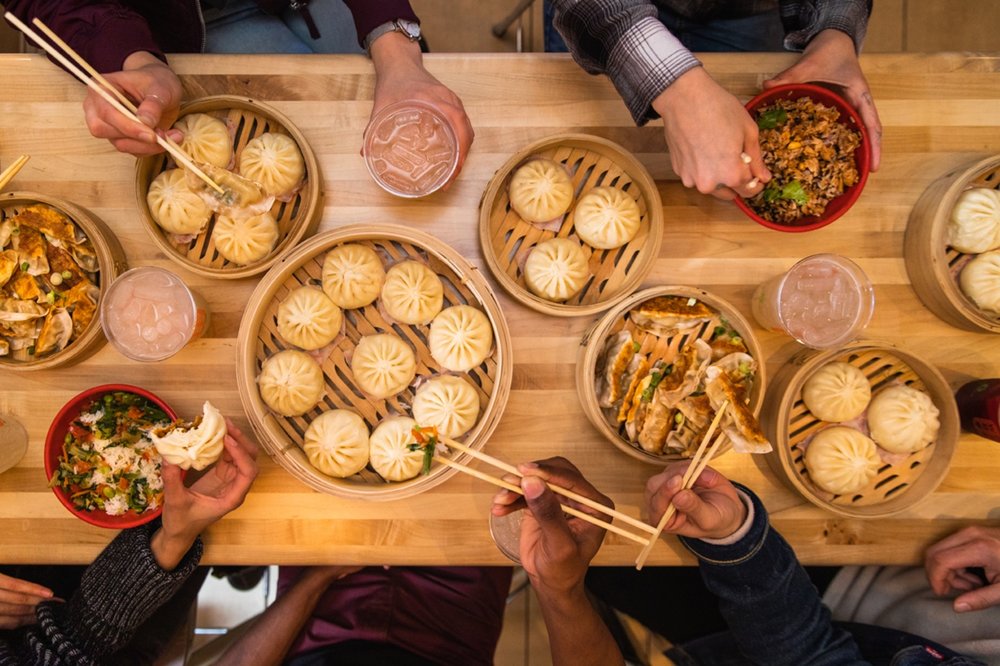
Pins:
<point x="839" y="174"/>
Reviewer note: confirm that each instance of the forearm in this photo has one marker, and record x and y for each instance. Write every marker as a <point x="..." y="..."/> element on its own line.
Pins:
<point x="577" y="635"/>
<point x="804" y="19"/>
<point x="394" y="52"/>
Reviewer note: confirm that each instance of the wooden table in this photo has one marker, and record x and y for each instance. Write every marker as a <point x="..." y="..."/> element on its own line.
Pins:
<point x="939" y="112"/>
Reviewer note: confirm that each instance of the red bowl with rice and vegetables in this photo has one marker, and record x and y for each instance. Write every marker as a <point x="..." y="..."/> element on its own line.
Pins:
<point x="99" y="464"/>
<point x="817" y="179"/>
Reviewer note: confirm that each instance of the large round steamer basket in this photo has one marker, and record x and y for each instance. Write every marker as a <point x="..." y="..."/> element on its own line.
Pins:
<point x="111" y="263"/>
<point x="933" y="266"/>
<point x="282" y="437"/>
<point x="296" y="218"/>
<point x="588" y="356"/>
<point x="506" y="239"/>
<point x="896" y="487"/>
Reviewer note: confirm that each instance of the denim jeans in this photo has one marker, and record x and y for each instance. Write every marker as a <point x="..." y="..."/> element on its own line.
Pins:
<point x="238" y="26"/>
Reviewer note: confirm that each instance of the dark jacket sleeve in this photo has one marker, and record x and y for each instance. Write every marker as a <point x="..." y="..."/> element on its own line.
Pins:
<point x="118" y="592"/>
<point x="804" y="19"/>
<point x="369" y="14"/>
<point x="772" y="608"/>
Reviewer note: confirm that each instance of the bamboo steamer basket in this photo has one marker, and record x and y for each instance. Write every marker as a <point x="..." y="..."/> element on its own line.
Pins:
<point x="296" y="218"/>
<point x="932" y="265"/>
<point x="588" y="356"/>
<point x="506" y="239"/>
<point x="258" y="339"/>
<point x="111" y="262"/>
<point x="896" y="487"/>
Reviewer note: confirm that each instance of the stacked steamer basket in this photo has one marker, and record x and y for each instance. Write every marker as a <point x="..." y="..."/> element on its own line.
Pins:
<point x="506" y="238"/>
<point x="617" y="319"/>
<point x="297" y="218"/>
<point x="258" y="339"/>
<point x="110" y="259"/>
<point x="903" y="479"/>
<point x="933" y="266"/>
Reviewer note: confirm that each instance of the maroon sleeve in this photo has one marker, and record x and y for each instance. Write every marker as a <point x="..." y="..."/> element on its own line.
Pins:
<point x="104" y="33"/>
<point x="369" y="14"/>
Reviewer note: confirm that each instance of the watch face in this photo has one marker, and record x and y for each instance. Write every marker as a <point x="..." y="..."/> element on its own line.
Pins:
<point x="409" y="28"/>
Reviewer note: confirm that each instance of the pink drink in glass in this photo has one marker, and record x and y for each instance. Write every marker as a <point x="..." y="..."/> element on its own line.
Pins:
<point x="823" y="301"/>
<point x="410" y="149"/>
<point x="149" y="314"/>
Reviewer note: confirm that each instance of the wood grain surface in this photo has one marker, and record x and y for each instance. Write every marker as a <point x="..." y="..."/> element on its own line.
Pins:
<point x="939" y="112"/>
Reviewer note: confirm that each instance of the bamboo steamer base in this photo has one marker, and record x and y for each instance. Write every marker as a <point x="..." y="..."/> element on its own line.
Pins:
<point x="896" y="487"/>
<point x="259" y="339"/>
<point x="932" y="265"/>
<point x="592" y="344"/>
<point x="111" y="262"/>
<point x="296" y="218"/>
<point x="507" y="239"/>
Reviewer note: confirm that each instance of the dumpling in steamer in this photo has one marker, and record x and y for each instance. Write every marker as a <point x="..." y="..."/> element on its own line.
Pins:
<point x="206" y="139"/>
<point x="390" y="450"/>
<point x="448" y="403"/>
<point x="606" y="218"/>
<point x="556" y="269"/>
<point x="461" y="338"/>
<point x="383" y="365"/>
<point x="175" y="206"/>
<point x="352" y="275"/>
<point x="291" y="382"/>
<point x="307" y="318"/>
<point x="274" y="161"/>
<point x="980" y="281"/>
<point x="841" y="460"/>
<point x="412" y="293"/>
<point x="540" y="190"/>
<point x="974" y="226"/>
<point x="336" y="443"/>
<point x="837" y="392"/>
<point x="247" y="240"/>
<point x="903" y="419"/>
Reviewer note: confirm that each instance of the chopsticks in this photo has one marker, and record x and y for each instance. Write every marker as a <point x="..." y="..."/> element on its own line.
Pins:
<point x="11" y="171"/>
<point x="699" y="461"/>
<point x="102" y="86"/>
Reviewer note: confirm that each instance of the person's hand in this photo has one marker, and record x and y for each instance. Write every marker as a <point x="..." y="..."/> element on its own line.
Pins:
<point x="556" y="549"/>
<point x="18" y="599"/>
<point x="400" y="76"/>
<point x="710" y="509"/>
<point x="708" y="131"/>
<point x="156" y="91"/>
<point x="830" y="58"/>
<point x="187" y="511"/>
<point x="947" y="560"/>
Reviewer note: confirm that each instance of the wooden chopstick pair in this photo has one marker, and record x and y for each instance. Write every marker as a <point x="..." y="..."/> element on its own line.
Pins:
<point x="11" y="171"/>
<point x="103" y="87"/>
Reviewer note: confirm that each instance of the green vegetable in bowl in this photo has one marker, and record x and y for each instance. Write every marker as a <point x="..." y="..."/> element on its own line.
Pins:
<point x="772" y="118"/>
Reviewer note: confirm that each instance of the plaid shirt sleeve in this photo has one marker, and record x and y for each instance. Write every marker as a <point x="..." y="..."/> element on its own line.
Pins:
<point x="804" y="19"/>
<point x="625" y="40"/>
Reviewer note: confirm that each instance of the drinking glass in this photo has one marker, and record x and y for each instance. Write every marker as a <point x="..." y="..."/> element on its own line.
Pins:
<point x="506" y="533"/>
<point x="13" y="441"/>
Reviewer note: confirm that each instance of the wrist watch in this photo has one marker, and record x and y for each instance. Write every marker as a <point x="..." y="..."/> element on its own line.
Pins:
<point x="411" y="29"/>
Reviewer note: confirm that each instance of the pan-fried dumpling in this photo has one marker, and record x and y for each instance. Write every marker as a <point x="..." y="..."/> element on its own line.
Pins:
<point x="352" y="275"/>
<point x="245" y="240"/>
<point x="307" y="318"/>
<point x="903" y="419"/>
<point x="192" y="446"/>
<point x="175" y="206"/>
<point x="461" y="338"/>
<point x="412" y="293"/>
<point x="606" y="218"/>
<point x="448" y="403"/>
<point x="383" y="365"/>
<point x="975" y="221"/>
<point x="336" y="443"/>
<point x="291" y="382"/>
<point x="390" y="450"/>
<point x="57" y="329"/>
<point x="274" y="161"/>
<point x="841" y="460"/>
<point x="540" y="190"/>
<point x="206" y="139"/>
<point x="837" y="392"/>
<point x="980" y="281"/>
<point x="556" y="269"/>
